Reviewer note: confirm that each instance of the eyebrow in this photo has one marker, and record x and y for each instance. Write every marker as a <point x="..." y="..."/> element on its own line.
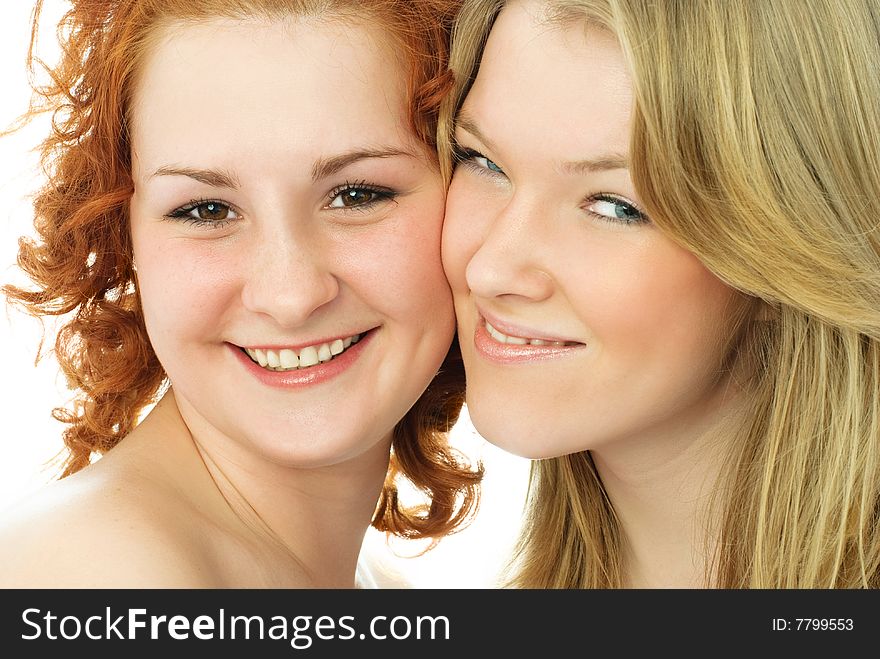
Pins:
<point x="466" y="123"/>
<point x="212" y="177"/>
<point x="322" y="168"/>
<point x="325" y="167"/>
<point x="601" y="163"/>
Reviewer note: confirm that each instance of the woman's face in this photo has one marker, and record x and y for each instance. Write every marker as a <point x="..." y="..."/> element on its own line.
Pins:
<point x="581" y="324"/>
<point x="286" y="231"/>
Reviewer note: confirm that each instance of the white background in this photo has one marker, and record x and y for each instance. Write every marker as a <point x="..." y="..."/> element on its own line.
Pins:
<point x="30" y="437"/>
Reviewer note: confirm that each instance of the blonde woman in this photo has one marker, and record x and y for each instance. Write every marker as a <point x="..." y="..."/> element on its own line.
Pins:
<point x="662" y="238"/>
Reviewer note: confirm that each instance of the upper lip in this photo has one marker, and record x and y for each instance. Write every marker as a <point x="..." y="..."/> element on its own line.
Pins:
<point x="300" y="344"/>
<point x="523" y="332"/>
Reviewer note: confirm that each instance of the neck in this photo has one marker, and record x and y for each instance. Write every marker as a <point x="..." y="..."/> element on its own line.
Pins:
<point x="315" y="516"/>
<point x="661" y="488"/>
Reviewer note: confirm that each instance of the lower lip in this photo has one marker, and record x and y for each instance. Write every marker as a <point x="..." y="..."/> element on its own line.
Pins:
<point x="306" y="377"/>
<point x="509" y="353"/>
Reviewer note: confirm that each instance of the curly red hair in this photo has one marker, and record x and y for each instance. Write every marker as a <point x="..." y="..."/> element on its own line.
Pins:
<point x="81" y="261"/>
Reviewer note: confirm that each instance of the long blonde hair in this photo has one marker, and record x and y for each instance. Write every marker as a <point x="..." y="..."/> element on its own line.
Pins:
<point x="755" y="144"/>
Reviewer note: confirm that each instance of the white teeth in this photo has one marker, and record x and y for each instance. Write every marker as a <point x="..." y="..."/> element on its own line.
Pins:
<point x="287" y="359"/>
<point x="308" y="356"/>
<point x="520" y="341"/>
<point x="495" y="334"/>
<point x="324" y="353"/>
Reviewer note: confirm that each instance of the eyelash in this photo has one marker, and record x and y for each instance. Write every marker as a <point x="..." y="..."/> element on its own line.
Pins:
<point x="182" y="213"/>
<point x="382" y="194"/>
<point x="466" y="156"/>
<point x="640" y="218"/>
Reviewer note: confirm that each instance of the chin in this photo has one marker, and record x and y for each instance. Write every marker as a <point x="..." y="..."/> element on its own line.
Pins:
<point x="508" y="432"/>
<point x="526" y="435"/>
<point x="315" y="457"/>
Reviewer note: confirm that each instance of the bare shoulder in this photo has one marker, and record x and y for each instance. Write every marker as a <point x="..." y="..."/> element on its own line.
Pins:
<point x="102" y="528"/>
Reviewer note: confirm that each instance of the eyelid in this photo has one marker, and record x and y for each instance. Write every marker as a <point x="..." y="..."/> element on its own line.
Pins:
<point x="360" y="185"/>
<point x="181" y="213"/>
<point x="620" y="199"/>
<point x="463" y="155"/>
<point x="384" y="194"/>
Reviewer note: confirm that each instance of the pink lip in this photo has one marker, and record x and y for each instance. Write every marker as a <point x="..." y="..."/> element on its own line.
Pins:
<point x="307" y="377"/>
<point x="523" y="332"/>
<point x="508" y="353"/>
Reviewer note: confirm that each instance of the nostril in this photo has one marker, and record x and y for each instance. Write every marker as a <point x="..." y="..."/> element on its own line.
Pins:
<point x="290" y="300"/>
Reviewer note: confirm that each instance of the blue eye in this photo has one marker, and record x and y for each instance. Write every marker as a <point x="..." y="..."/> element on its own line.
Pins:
<point x="205" y="212"/>
<point x="484" y="162"/>
<point x="614" y="209"/>
<point x="477" y="161"/>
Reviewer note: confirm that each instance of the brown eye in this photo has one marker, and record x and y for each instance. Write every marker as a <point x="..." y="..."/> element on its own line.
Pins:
<point x="213" y="211"/>
<point x="353" y="197"/>
<point x="208" y="213"/>
<point x="360" y="195"/>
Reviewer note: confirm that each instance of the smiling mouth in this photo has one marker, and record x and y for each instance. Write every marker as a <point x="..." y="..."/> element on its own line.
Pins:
<point x="288" y="359"/>
<point x="500" y="337"/>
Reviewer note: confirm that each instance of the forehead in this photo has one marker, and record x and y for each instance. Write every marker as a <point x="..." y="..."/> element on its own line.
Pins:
<point x="268" y="86"/>
<point x="564" y="83"/>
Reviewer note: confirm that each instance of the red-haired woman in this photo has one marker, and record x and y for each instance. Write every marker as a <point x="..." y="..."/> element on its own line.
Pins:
<point x="243" y="222"/>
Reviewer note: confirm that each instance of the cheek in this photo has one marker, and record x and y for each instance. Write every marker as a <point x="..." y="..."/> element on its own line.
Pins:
<point x="398" y="266"/>
<point x="461" y="231"/>
<point x="181" y="283"/>
<point x="661" y="301"/>
<point x="700" y="321"/>
<point x="689" y="303"/>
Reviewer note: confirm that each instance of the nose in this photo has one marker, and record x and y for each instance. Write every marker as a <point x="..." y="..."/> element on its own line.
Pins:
<point x="289" y="279"/>
<point x="508" y="261"/>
